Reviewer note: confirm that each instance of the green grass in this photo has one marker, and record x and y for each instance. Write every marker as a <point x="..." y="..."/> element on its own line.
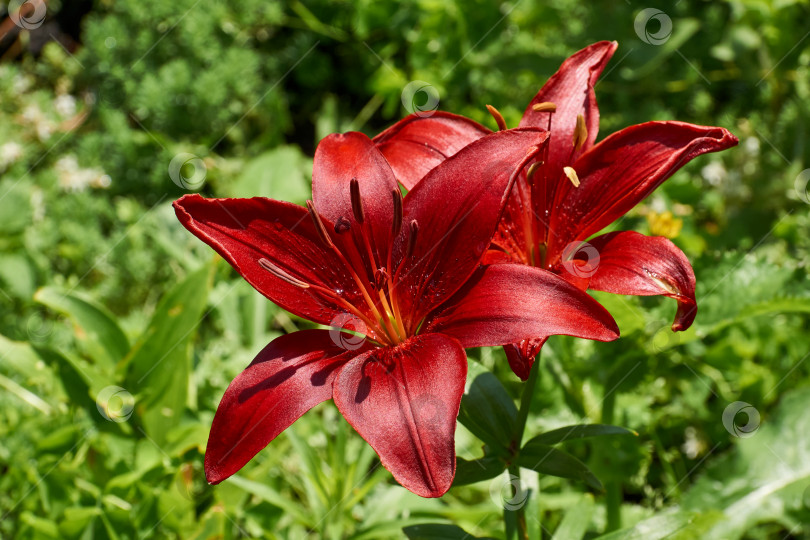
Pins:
<point x="101" y="288"/>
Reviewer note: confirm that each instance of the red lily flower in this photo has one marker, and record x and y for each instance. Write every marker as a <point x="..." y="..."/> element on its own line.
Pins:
<point x="387" y="264"/>
<point x="580" y="188"/>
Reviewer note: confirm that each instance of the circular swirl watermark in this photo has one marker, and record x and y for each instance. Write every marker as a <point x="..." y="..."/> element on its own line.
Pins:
<point x="730" y="419"/>
<point x="801" y="186"/>
<point x="27" y="14"/>
<point x="663" y="338"/>
<point x="187" y="482"/>
<point x="38" y="326"/>
<point x="420" y="98"/>
<point x="184" y="178"/>
<point x="507" y="493"/>
<point x="115" y="404"/>
<point x="580" y="259"/>
<point x="428" y="410"/>
<point x="354" y="338"/>
<point x="642" y="23"/>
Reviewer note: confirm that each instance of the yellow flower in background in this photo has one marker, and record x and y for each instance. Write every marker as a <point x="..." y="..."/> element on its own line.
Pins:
<point x="664" y="224"/>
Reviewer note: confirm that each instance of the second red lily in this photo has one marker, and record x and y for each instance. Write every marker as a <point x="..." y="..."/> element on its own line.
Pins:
<point x="580" y="188"/>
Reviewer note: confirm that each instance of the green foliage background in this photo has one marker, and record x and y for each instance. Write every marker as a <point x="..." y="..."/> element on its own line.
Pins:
<point x="101" y="287"/>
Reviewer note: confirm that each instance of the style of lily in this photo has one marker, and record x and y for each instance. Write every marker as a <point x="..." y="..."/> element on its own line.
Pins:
<point x="405" y="272"/>
<point x="577" y="189"/>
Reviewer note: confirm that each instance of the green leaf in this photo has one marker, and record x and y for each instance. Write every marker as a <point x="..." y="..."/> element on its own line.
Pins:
<point x="278" y="174"/>
<point x="654" y="528"/>
<point x="575" y="522"/>
<point x="94" y="328"/>
<point x="570" y="433"/>
<point x="438" y="531"/>
<point x="764" y="479"/>
<point x="486" y="408"/>
<point x="43" y="526"/>
<point x="17" y="276"/>
<point x="81" y="379"/>
<point x="159" y="364"/>
<point x="470" y="472"/>
<point x="270" y="495"/>
<point x="549" y="460"/>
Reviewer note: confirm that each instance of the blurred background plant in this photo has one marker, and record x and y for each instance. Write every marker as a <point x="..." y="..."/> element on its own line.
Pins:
<point x="119" y="332"/>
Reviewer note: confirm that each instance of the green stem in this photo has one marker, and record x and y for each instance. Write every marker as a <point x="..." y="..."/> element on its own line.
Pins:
<point x="613" y="503"/>
<point x="613" y="489"/>
<point x="515" y="520"/>
<point x="526" y="401"/>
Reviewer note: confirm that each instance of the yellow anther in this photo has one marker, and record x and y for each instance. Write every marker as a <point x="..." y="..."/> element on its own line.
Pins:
<point x="533" y="170"/>
<point x="572" y="175"/>
<point x="580" y="132"/>
<point x="545" y="106"/>
<point x="497" y="116"/>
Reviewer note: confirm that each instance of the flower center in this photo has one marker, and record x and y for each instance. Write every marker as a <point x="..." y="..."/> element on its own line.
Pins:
<point x="382" y="318"/>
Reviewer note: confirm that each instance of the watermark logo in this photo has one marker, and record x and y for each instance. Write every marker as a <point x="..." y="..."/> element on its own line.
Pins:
<point x="663" y="337"/>
<point x="731" y="423"/>
<point x="428" y="410"/>
<point x="648" y="18"/>
<point x="506" y="492"/>
<point x="38" y="327"/>
<point x="27" y="14"/>
<point x="420" y="98"/>
<point x="188" y="484"/>
<point x="187" y="171"/>
<point x="580" y="259"/>
<point x="348" y="331"/>
<point x="801" y="186"/>
<point x="115" y="404"/>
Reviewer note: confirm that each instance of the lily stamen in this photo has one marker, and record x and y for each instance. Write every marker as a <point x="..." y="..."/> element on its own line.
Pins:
<point x="357" y="202"/>
<point x="412" y="238"/>
<point x="281" y="274"/>
<point x="580" y="133"/>
<point x="496" y="114"/>
<point x="319" y="226"/>
<point x="396" y="224"/>
<point x="572" y="175"/>
<point x="546" y="106"/>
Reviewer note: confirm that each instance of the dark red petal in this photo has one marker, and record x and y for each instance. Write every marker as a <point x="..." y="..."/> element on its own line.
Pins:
<point x="506" y="303"/>
<point x="338" y="159"/>
<point x="404" y="401"/>
<point x="632" y="263"/>
<point x="416" y="144"/>
<point x="457" y="206"/>
<point x="291" y="375"/>
<point x="571" y="89"/>
<point x="622" y="170"/>
<point x="512" y="238"/>
<point x="521" y="355"/>
<point x="243" y="231"/>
